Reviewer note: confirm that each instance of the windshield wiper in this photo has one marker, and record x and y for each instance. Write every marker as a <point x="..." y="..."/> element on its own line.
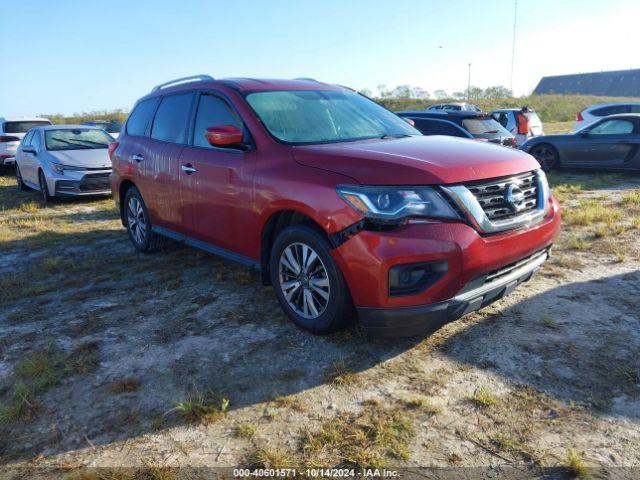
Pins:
<point x="94" y="143"/>
<point x="397" y="135"/>
<point x="69" y="143"/>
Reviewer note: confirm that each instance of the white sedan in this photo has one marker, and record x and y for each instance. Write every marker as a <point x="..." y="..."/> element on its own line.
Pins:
<point x="64" y="160"/>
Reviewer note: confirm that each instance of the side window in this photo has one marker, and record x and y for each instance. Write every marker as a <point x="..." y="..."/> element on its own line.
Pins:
<point x="212" y="111"/>
<point x="426" y="127"/>
<point x="140" y="117"/>
<point x="172" y="119"/>
<point x="502" y="118"/>
<point x="612" y="127"/>
<point x="451" y="130"/>
<point x="27" y="139"/>
<point x="611" y="110"/>
<point x="36" y="142"/>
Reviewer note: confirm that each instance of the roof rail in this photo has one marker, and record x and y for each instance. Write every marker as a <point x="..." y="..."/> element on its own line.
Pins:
<point x="307" y="79"/>
<point x="200" y="78"/>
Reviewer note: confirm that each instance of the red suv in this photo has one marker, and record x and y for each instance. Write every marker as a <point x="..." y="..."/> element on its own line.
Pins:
<point x="340" y="204"/>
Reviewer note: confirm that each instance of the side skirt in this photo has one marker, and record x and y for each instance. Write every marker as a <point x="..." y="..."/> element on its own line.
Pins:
<point x="207" y="247"/>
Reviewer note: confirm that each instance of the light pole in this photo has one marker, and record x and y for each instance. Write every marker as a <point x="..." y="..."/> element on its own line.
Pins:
<point x="469" y="85"/>
<point x="513" y="45"/>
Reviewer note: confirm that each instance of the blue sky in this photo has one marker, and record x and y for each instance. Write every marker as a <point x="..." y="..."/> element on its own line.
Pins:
<point x="67" y="56"/>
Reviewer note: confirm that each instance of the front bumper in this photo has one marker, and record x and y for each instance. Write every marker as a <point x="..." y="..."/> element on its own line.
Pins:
<point x="83" y="184"/>
<point x="366" y="258"/>
<point x="486" y="289"/>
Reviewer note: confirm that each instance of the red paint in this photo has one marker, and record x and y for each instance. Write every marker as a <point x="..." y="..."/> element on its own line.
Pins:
<point x="223" y="135"/>
<point x="235" y="193"/>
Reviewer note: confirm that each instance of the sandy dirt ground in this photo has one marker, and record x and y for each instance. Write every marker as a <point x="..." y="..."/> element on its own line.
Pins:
<point x="113" y="358"/>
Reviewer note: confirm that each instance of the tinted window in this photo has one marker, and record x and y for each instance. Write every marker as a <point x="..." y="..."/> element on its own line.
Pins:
<point x="635" y="108"/>
<point x="611" y="110"/>
<point x="612" y="127"/>
<point x="501" y="118"/>
<point x="212" y="111"/>
<point x="426" y="127"/>
<point x="21" y="127"/>
<point x="171" y="122"/>
<point x="451" y="130"/>
<point x="140" y="117"/>
<point x="36" y="142"/>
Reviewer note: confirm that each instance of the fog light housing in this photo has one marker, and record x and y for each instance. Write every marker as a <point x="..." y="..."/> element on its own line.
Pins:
<point x="414" y="278"/>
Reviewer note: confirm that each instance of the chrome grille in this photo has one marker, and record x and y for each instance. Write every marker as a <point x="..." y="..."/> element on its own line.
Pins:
<point x="492" y="196"/>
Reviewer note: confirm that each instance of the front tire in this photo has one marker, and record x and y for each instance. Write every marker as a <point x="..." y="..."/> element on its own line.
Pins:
<point x="138" y="224"/>
<point x="21" y="185"/>
<point x="308" y="283"/>
<point x="44" y="189"/>
<point x="546" y="155"/>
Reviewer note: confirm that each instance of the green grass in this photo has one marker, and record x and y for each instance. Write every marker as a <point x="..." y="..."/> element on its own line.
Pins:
<point x="43" y="369"/>
<point x="575" y="464"/>
<point x="483" y="397"/>
<point x="202" y="407"/>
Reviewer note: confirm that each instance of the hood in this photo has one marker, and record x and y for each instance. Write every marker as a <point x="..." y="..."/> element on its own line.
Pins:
<point x="420" y="160"/>
<point x="89" y="158"/>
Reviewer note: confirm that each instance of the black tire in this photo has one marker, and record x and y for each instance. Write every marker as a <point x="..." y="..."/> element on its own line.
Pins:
<point x="547" y="156"/>
<point x="338" y="309"/>
<point x="44" y="189"/>
<point x="21" y="185"/>
<point x="138" y="224"/>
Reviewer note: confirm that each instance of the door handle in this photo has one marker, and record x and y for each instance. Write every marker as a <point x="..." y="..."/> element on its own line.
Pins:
<point x="188" y="169"/>
<point x="137" y="157"/>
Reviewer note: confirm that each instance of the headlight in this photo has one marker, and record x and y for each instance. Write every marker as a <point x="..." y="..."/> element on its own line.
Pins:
<point x="391" y="204"/>
<point x="59" y="168"/>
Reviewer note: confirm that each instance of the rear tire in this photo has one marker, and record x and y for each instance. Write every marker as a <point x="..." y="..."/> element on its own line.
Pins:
<point x="138" y="224"/>
<point x="21" y="185"/>
<point x="546" y="155"/>
<point x="308" y="283"/>
<point x="44" y="189"/>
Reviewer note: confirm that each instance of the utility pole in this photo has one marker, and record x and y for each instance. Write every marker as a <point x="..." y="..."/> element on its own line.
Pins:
<point x="469" y="85"/>
<point x="513" y="45"/>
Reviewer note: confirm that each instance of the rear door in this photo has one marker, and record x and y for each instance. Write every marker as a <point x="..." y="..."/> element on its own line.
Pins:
<point x="134" y="145"/>
<point x="216" y="183"/>
<point x="609" y="143"/>
<point x="161" y="165"/>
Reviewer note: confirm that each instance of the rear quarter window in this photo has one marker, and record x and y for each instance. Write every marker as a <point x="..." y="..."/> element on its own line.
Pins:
<point x="611" y="110"/>
<point x="141" y="116"/>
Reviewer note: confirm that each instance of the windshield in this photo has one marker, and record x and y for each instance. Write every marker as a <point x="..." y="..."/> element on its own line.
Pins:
<point x="311" y="116"/>
<point x="76" y="139"/>
<point x="485" y="128"/>
<point x="23" y="127"/>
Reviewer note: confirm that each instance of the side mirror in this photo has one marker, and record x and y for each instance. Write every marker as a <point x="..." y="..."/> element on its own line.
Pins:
<point x="29" y="149"/>
<point x="223" y="135"/>
<point x="584" y="134"/>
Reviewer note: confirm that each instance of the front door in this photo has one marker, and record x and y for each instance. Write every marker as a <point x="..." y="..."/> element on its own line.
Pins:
<point x="607" y="144"/>
<point x="216" y="183"/>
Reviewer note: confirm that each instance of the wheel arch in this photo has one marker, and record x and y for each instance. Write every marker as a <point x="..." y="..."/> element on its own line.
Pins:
<point x="124" y="186"/>
<point x="275" y="223"/>
<point x="552" y="147"/>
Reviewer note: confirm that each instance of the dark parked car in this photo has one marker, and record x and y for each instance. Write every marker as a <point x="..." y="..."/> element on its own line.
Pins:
<point x="613" y="142"/>
<point x="466" y="124"/>
<point x="339" y="203"/>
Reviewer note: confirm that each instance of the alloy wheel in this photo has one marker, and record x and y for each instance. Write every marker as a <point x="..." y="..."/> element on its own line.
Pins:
<point x="546" y="157"/>
<point x="136" y="220"/>
<point x="304" y="280"/>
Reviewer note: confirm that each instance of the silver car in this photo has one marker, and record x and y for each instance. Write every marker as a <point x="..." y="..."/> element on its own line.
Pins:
<point x="64" y="160"/>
